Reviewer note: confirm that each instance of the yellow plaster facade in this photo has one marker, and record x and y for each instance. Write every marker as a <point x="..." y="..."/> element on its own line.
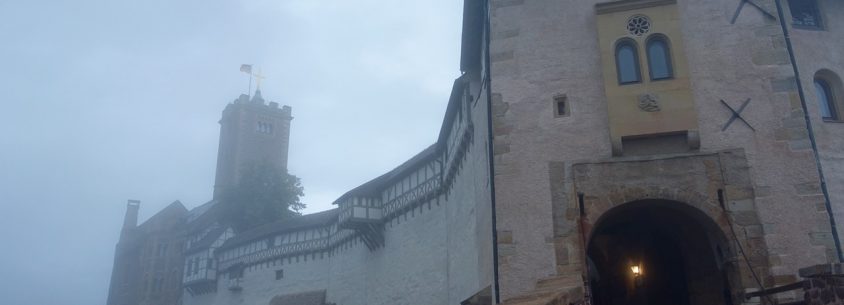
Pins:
<point x="675" y="110"/>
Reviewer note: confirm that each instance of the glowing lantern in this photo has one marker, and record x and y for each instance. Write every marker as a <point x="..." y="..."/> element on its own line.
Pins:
<point x="637" y="271"/>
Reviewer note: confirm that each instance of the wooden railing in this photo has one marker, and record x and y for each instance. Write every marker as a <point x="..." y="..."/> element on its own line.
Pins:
<point x="767" y="293"/>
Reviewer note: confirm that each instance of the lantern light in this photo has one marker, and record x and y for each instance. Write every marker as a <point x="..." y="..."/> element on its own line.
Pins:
<point x="636" y="270"/>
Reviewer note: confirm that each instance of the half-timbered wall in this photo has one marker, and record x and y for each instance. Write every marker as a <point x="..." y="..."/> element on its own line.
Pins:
<point x="417" y="187"/>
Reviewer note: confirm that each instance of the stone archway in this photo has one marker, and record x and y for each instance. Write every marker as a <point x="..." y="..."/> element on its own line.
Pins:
<point x="676" y="251"/>
<point x="688" y="185"/>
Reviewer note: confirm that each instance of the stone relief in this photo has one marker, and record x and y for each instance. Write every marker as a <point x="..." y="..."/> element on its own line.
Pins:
<point x="648" y="102"/>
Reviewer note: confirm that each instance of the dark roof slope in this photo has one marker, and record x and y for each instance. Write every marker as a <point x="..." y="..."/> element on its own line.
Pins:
<point x="427" y="154"/>
<point x="197" y="212"/>
<point x="290" y="224"/>
<point x="169" y="216"/>
<point x="206" y="241"/>
<point x="203" y="216"/>
<point x="382" y="181"/>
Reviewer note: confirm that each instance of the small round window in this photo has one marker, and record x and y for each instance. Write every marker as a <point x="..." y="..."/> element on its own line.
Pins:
<point x="638" y="25"/>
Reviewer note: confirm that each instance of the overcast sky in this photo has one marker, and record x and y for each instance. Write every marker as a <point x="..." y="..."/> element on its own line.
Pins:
<point x="103" y="101"/>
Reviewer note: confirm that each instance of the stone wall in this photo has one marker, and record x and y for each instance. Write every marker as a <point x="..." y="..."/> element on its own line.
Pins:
<point x="815" y="51"/>
<point x="148" y="260"/>
<point x="545" y="48"/>
<point x="691" y="184"/>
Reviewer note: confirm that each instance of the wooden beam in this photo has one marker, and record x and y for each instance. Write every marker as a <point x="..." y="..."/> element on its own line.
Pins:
<point x="783" y="288"/>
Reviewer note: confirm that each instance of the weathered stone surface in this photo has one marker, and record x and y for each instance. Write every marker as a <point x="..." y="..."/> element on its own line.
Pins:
<point x="771" y="57"/>
<point x="505" y="237"/>
<point x="506" y="3"/>
<point x="808" y="188"/>
<point x="501" y="56"/>
<point x="754" y="231"/>
<point x="505" y="34"/>
<point x="730" y="62"/>
<point x="783" y="85"/>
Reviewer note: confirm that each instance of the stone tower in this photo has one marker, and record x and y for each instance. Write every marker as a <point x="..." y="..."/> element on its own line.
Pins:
<point x="251" y="131"/>
<point x="673" y="136"/>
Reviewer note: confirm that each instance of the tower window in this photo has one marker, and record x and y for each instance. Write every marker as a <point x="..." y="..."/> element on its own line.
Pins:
<point x="825" y="99"/>
<point x="828" y="92"/>
<point x="279" y="274"/>
<point x="659" y="58"/>
<point x="561" y="106"/>
<point x="264" y="127"/>
<point x="627" y="62"/>
<point x="805" y="14"/>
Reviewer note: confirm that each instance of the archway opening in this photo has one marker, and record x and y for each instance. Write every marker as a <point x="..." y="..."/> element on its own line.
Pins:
<point x="657" y="252"/>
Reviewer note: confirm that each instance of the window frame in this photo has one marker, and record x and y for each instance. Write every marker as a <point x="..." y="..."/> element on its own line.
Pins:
<point x="558" y="101"/>
<point x="817" y="13"/>
<point x="832" y="87"/>
<point x="829" y="98"/>
<point x="669" y="59"/>
<point x="636" y="62"/>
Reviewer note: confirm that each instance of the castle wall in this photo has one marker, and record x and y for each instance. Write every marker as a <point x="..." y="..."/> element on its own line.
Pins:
<point x="148" y="260"/>
<point x="543" y="48"/>
<point x="437" y="251"/>
<point x="814" y="51"/>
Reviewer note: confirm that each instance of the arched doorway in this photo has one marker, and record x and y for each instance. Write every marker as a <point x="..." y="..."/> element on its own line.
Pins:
<point x="657" y="252"/>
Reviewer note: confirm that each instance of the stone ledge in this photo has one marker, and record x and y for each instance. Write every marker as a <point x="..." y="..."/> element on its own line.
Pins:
<point x="834" y="269"/>
<point x="627" y="5"/>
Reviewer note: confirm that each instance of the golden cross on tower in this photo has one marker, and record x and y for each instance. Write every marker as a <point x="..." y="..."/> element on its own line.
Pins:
<point x="258" y="78"/>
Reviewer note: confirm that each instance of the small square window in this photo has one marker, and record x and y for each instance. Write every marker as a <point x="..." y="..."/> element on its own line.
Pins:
<point x="561" y="106"/>
<point x="279" y="274"/>
<point x="805" y="14"/>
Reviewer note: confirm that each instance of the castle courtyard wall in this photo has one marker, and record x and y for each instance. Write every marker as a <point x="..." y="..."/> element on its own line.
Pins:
<point x="543" y="49"/>
<point x="815" y="51"/>
<point x="437" y="252"/>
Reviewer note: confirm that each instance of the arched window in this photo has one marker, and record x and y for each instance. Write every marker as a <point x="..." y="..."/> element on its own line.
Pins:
<point x="659" y="58"/>
<point x="827" y="92"/>
<point x="627" y="62"/>
<point x="825" y="101"/>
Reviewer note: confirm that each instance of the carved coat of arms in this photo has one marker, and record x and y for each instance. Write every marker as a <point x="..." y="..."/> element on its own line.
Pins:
<point x="648" y="103"/>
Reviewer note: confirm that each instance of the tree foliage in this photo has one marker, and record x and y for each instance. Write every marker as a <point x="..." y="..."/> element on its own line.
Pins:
<point x="265" y="193"/>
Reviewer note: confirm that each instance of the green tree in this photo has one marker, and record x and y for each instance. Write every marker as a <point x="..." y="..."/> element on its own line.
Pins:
<point x="264" y="194"/>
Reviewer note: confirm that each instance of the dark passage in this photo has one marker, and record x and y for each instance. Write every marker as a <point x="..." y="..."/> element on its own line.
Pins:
<point x="655" y="253"/>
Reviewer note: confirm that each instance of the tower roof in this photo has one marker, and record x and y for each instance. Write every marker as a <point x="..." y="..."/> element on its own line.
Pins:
<point x="257" y="98"/>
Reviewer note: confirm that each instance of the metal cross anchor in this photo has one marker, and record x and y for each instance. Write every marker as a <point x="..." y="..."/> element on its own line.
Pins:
<point x="736" y="115"/>
<point x="741" y="6"/>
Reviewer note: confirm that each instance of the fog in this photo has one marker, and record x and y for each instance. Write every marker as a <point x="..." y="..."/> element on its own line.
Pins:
<point x="104" y="101"/>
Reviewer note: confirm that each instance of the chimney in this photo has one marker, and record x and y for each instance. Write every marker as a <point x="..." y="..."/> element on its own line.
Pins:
<point x="130" y="220"/>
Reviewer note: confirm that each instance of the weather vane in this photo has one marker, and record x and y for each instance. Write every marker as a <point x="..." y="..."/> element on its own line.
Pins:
<point x="258" y="77"/>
